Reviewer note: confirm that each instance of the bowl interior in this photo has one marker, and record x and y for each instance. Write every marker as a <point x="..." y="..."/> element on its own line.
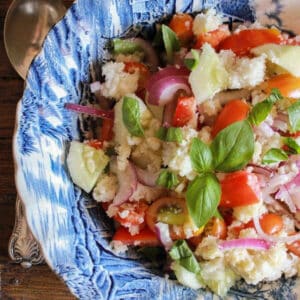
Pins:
<point x="74" y="233"/>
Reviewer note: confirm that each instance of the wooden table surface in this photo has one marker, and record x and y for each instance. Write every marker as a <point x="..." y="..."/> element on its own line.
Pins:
<point x="38" y="282"/>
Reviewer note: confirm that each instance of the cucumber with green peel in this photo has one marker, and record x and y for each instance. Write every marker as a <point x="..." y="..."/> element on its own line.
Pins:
<point x="85" y="164"/>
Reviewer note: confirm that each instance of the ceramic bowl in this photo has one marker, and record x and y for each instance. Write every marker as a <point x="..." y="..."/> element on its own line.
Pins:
<point x="73" y="232"/>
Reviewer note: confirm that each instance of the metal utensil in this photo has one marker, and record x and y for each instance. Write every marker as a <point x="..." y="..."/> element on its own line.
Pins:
<point x="26" y="24"/>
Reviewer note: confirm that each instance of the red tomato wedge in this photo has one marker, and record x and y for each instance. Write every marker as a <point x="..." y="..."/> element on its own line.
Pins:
<point x="288" y="85"/>
<point x="238" y="189"/>
<point x="131" y="214"/>
<point x="233" y="111"/>
<point x="270" y="223"/>
<point x="184" y="112"/>
<point x="107" y="129"/>
<point x="97" y="144"/>
<point x="214" y="37"/>
<point x="294" y="247"/>
<point x="145" y="237"/>
<point x="242" y="42"/>
<point x="182" y="25"/>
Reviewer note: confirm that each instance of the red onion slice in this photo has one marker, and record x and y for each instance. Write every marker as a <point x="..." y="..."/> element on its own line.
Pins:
<point x="127" y="184"/>
<point x="104" y="114"/>
<point x="163" y="233"/>
<point x="163" y="91"/>
<point x="284" y="195"/>
<point x="247" y="243"/>
<point x="167" y="72"/>
<point x="168" y="114"/>
<point x="146" y="177"/>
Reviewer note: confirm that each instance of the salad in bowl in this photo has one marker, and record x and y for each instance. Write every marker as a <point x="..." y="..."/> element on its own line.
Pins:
<point x="190" y="144"/>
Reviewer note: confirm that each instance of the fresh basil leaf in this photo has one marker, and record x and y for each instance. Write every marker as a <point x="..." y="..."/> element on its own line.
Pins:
<point x="131" y="116"/>
<point x="274" y="155"/>
<point x="171" y="134"/>
<point x="167" y="179"/>
<point x="203" y="197"/>
<point x="292" y="144"/>
<point x="201" y="156"/>
<point x="181" y="253"/>
<point x="174" y="134"/>
<point x="162" y="133"/>
<point x="218" y="215"/>
<point x="192" y="63"/>
<point x="125" y="46"/>
<point x="233" y="147"/>
<point x="274" y="96"/>
<point x="261" y="110"/>
<point x="171" y="41"/>
<point x="294" y="116"/>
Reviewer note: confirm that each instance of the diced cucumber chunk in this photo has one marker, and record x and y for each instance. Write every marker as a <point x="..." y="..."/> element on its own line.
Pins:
<point x="284" y="56"/>
<point x="209" y="76"/>
<point x="85" y="164"/>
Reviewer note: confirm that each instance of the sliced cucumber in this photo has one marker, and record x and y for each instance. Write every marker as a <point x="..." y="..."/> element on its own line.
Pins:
<point x="209" y="76"/>
<point x="284" y="56"/>
<point x="85" y="164"/>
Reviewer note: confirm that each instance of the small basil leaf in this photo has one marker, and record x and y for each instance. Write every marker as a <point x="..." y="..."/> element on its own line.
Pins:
<point x="192" y="63"/>
<point x="233" y="147"/>
<point x="167" y="179"/>
<point x="294" y="116"/>
<point x="174" y="134"/>
<point x="201" y="156"/>
<point x="261" y="110"/>
<point x="274" y="96"/>
<point x="131" y="116"/>
<point x="171" y="42"/>
<point x="292" y="144"/>
<point x="203" y="197"/>
<point x="125" y="46"/>
<point x="171" y="134"/>
<point x="162" y="133"/>
<point x="274" y="155"/>
<point x="218" y="215"/>
<point x="181" y="253"/>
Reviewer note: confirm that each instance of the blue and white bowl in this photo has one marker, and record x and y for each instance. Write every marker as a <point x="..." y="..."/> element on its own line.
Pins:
<point x="73" y="232"/>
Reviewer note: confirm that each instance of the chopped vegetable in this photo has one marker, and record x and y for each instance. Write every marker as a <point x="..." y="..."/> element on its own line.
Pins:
<point x="90" y="111"/>
<point x="145" y="237"/>
<point x="184" y="112"/>
<point x="182" y="25"/>
<point x="239" y="189"/>
<point x="167" y="179"/>
<point x="288" y="85"/>
<point x="233" y="147"/>
<point x="171" y="42"/>
<point x="242" y="42"/>
<point x="248" y="243"/>
<point x="85" y="164"/>
<point x="233" y="111"/>
<point x="284" y="56"/>
<point x="214" y="38"/>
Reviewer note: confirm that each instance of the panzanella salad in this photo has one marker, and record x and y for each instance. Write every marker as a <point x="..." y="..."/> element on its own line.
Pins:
<point x="198" y="149"/>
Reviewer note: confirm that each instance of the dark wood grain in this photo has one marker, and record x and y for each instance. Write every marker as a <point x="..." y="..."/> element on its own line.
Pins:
<point x="38" y="282"/>
<point x="35" y="283"/>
